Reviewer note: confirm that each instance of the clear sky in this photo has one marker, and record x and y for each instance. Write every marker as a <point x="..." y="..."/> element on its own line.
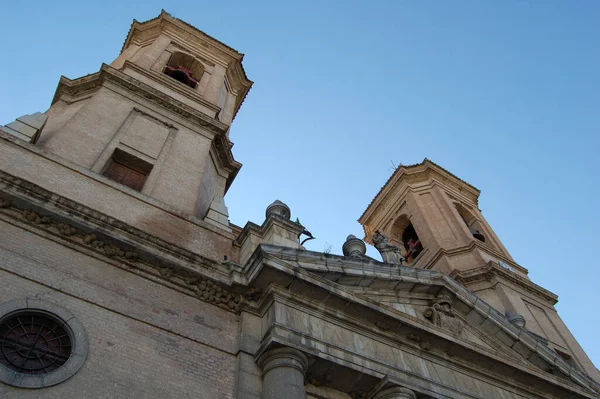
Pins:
<point x="506" y="95"/>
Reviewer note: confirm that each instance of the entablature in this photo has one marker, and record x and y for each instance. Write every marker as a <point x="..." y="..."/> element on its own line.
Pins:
<point x="492" y="269"/>
<point x="284" y="276"/>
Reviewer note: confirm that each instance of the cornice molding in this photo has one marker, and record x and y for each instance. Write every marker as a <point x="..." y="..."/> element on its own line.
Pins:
<point x="204" y="45"/>
<point x="469" y="248"/>
<point x="471" y="308"/>
<point x="411" y="172"/>
<point x="491" y="269"/>
<point x="221" y="143"/>
<point x="107" y="73"/>
<point x="165" y="19"/>
<point x="87" y="230"/>
<point x="172" y="84"/>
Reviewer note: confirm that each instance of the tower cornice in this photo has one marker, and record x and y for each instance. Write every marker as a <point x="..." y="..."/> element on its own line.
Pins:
<point x="427" y="169"/>
<point x="92" y="82"/>
<point x="205" y="47"/>
<point x="468" y="277"/>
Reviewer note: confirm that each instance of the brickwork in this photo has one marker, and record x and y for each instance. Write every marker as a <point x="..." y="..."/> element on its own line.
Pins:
<point x="145" y="339"/>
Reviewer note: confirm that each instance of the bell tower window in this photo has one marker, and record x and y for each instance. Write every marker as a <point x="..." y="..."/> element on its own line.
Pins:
<point x="404" y="235"/>
<point x="128" y="170"/>
<point x="184" y="68"/>
<point x="411" y="242"/>
<point x="471" y="222"/>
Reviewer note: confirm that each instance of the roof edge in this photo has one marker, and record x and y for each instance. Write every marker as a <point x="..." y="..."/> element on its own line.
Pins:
<point x="402" y="169"/>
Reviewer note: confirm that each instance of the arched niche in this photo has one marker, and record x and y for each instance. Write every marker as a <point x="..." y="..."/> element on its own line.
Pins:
<point x="404" y="235"/>
<point x="184" y="68"/>
<point x="472" y="223"/>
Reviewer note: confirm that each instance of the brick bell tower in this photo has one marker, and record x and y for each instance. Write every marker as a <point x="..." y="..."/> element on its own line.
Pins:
<point x="434" y="218"/>
<point x="157" y="119"/>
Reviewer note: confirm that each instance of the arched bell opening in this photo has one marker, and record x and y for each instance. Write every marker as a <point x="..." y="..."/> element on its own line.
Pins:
<point x="185" y="69"/>
<point x="411" y="242"/>
<point x="471" y="222"/>
<point x="405" y="236"/>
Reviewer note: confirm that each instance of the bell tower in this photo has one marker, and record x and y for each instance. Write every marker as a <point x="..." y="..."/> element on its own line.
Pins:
<point x="433" y="217"/>
<point x="156" y="120"/>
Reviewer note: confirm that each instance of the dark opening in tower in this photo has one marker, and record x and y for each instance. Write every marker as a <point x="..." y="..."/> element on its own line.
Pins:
<point x="184" y="68"/>
<point x="471" y="222"/>
<point x="411" y="242"/>
<point x="404" y="235"/>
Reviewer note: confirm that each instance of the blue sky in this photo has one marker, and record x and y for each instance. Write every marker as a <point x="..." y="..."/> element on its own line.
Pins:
<point x="506" y="95"/>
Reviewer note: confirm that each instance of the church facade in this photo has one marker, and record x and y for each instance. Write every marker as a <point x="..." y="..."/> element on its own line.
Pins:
<point x="122" y="277"/>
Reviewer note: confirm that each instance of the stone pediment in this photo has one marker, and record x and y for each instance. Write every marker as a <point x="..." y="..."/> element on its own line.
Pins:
<point x="424" y="308"/>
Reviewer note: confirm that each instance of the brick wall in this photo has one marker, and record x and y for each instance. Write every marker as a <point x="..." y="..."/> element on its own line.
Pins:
<point x="145" y="340"/>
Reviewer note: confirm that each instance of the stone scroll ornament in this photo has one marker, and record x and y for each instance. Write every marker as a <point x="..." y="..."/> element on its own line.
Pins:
<point x="389" y="252"/>
<point x="442" y="315"/>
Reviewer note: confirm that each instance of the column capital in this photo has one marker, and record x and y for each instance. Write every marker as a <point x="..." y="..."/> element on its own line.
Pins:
<point x="396" y="393"/>
<point x="283" y="357"/>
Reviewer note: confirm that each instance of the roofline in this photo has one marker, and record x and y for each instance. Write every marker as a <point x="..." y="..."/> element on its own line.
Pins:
<point x="406" y="168"/>
<point x="285" y="259"/>
<point x="164" y="15"/>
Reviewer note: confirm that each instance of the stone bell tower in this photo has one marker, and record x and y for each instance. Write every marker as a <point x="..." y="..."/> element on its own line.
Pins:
<point x="433" y="217"/>
<point x="157" y="119"/>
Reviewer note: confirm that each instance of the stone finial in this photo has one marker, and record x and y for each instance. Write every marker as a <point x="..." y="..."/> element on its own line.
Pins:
<point x="354" y="247"/>
<point x="515" y="318"/>
<point x="278" y="208"/>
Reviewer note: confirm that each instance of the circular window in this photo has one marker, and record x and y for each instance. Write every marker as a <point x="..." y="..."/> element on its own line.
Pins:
<point x="33" y="343"/>
<point x="41" y="344"/>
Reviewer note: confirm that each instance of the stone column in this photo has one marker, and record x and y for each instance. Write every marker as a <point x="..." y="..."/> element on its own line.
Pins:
<point x="396" y="393"/>
<point x="283" y="373"/>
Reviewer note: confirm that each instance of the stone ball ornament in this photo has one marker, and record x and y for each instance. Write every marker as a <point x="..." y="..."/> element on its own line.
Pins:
<point x="354" y="247"/>
<point x="278" y="208"/>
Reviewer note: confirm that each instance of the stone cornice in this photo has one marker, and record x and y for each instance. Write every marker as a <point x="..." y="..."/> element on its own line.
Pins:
<point x="408" y="172"/>
<point x="172" y="84"/>
<point x="142" y="32"/>
<point x="415" y="339"/>
<point x="165" y="18"/>
<point x="287" y="261"/>
<point x="492" y="269"/>
<point x="221" y="143"/>
<point x="75" y="226"/>
<point x="92" y="175"/>
<point x="107" y="73"/>
<point x="252" y="227"/>
<point x="469" y="248"/>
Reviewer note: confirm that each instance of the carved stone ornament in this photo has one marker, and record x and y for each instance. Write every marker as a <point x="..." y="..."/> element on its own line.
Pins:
<point x="354" y="247"/>
<point x="278" y="208"/>
<point x="442" y="315"/>
<point x="126" y="256"/>
<point x="389" y="252"/>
